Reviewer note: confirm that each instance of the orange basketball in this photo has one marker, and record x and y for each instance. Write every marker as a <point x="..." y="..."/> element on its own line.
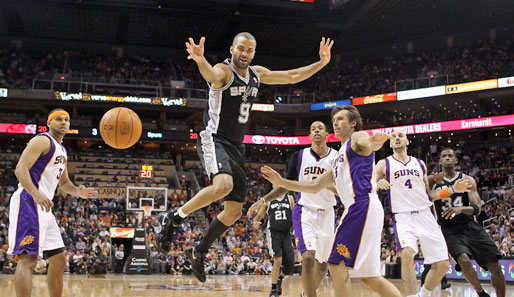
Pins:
<point x="120" y="128"/>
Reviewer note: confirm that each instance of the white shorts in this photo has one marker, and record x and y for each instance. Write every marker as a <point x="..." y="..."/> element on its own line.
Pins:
<point x="31" y="229"/>
<point x="409" y="227"/>
<point x="314" y="230"/>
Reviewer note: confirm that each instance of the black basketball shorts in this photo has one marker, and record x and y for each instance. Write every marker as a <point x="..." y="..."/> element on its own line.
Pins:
<point x="218" y="156"/>
<point x="472" y="239"/>
<point x="280" y="243"/>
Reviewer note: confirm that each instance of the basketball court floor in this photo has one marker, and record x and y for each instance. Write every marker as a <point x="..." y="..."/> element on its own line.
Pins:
<point x="187" y="286"/>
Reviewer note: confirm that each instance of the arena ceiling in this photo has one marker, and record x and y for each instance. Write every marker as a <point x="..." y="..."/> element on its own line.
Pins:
<point x="282" y="28"/>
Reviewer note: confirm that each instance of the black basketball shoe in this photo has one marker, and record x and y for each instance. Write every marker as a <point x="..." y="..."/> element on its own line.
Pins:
<point x="196" y="260"/>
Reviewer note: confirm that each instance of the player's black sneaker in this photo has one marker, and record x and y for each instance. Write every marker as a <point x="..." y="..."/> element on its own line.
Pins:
<point x="279" y="285"/>
<point x="483" y="294"/>
<point x="164" y="231"/>
<point x="274" y="293"/>
<point x="445" y="285"/>
<point x="196" y="260"/>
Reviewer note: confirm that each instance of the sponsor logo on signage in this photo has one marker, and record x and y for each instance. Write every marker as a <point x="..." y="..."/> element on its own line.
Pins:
<point x="472" y="86"/>
<point x="263" y="107"/>
<point x="258" y="139"/>
<point x="374" y="99"/>
<point x="502" y="82"/>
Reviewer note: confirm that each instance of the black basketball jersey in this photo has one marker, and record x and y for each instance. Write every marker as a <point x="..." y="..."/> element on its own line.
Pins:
<point x="455" y="200"/>
<point x="280" y="214"/>
<point x="229" y="107"/>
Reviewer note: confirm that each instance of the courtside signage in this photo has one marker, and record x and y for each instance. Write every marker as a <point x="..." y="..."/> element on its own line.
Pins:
<point x="263" y="107"/>
<point x="330" y="104"/>
<point x="374" y="99"/>
<point x="472" y="86"/>
<point x="506" y="82"/>
<point x="409" y="129"/>
<point x="421" y="93"/>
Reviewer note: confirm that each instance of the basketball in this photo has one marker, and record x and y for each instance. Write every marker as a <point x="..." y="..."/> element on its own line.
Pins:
<point x="120" y="127"/>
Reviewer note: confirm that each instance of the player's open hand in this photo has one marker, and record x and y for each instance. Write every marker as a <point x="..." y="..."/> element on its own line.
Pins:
<point x="451" y="212"/>
<point x="45" y="203"/>
<point x="271" y="175"/>
<point x="254" y="208"/>
<point x="86" y="193"/>
<point x="256" y="225"/>
<point x="462" y="186"/>
<point x="438" y="177"/>
<point x="324" y="50"/>
<point x="383" y="184"/>
<point x="194" y="50"/>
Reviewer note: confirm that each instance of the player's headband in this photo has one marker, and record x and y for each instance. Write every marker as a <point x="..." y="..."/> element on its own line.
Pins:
<point x="58" y="113"/>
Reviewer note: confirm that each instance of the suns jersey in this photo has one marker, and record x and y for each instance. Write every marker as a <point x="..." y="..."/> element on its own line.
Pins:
<point x="354" y="175"/>
<point x="408" y="192"/>
<point x="229" y="107"/>
<point x="48" y="168"/>
<point x="309" y="167"/>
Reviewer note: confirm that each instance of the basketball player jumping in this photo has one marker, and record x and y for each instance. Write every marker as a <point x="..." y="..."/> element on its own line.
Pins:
<point x="405" y="179"/>
<point x="33" y="229"/>
<point x="278" y="236"/>
<point x="356" y="243"/>
<point x="313" y="215"/>
<point x="464" y="235"/>
<point x="233" y="88"/>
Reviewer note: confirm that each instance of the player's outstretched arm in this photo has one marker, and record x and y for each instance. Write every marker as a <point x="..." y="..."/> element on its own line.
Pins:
<point x="217" y="75"/>
<point x="364" y="145"/>
<point x="380" y="169"/>
<point x="260" y="215"/>
<point x="272" y="195"/>
<point x="323" y="181"/>
<point x="293" y="76"/>
<point x="35" y="148"/>
<point x="66" y="185"/>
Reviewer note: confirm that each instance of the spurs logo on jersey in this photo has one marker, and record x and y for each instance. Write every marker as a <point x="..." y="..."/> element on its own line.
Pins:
<point x="455" y="200"/>
<point x="408" y="192"/>
<point x="279" y="215"/>
<point x="229" y="107"/>
<point x="309" y="167"/>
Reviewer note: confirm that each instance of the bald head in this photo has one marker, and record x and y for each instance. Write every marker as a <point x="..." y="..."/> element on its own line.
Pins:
<point x="243" y="35"/>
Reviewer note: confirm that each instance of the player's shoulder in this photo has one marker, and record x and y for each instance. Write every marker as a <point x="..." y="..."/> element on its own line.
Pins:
<point x="40" y="140"/>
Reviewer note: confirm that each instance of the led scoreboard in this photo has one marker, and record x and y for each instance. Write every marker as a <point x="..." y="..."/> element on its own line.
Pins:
<point x="146" y="171"/>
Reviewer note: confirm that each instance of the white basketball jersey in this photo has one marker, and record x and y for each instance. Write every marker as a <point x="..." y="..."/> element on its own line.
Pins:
<point x="354" y="175"/>
<point x="408" y="192"/>
<point x="309" y="167"/>
<point x="47" y="170"/>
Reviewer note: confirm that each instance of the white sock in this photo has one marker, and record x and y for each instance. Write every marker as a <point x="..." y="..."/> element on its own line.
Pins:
<point x="424" y="292"/>
<point x="181" y="213"/>
<point x="412" y="295"/>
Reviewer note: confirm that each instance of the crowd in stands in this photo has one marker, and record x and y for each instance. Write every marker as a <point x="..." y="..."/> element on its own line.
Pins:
<point x="339" y="80"/>
<point x="85" y="224"/>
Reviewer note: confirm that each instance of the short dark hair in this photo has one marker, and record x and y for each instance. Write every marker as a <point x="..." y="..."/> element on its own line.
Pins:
<point x="447" y="148"/>
<point x="353" y="115"/>
<point x="245" y="35"/>
<point x="325" y="125"/>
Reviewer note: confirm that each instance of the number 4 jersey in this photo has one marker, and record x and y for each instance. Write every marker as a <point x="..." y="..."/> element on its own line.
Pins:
<point x="229" y="107"/>
<point x="408" y="192"/>
<point x="455" y="200"/>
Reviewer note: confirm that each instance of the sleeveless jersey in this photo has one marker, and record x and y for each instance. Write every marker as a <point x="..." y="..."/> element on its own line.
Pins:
<point x="309" y="167"/>
<point x="280" y="215"/>
<point x="408" y="192"/>
<point x="48" y="168"/>
<point x="455" y="200"/>
<point x="354" y="175"/>
<point x="229" y="107"/>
